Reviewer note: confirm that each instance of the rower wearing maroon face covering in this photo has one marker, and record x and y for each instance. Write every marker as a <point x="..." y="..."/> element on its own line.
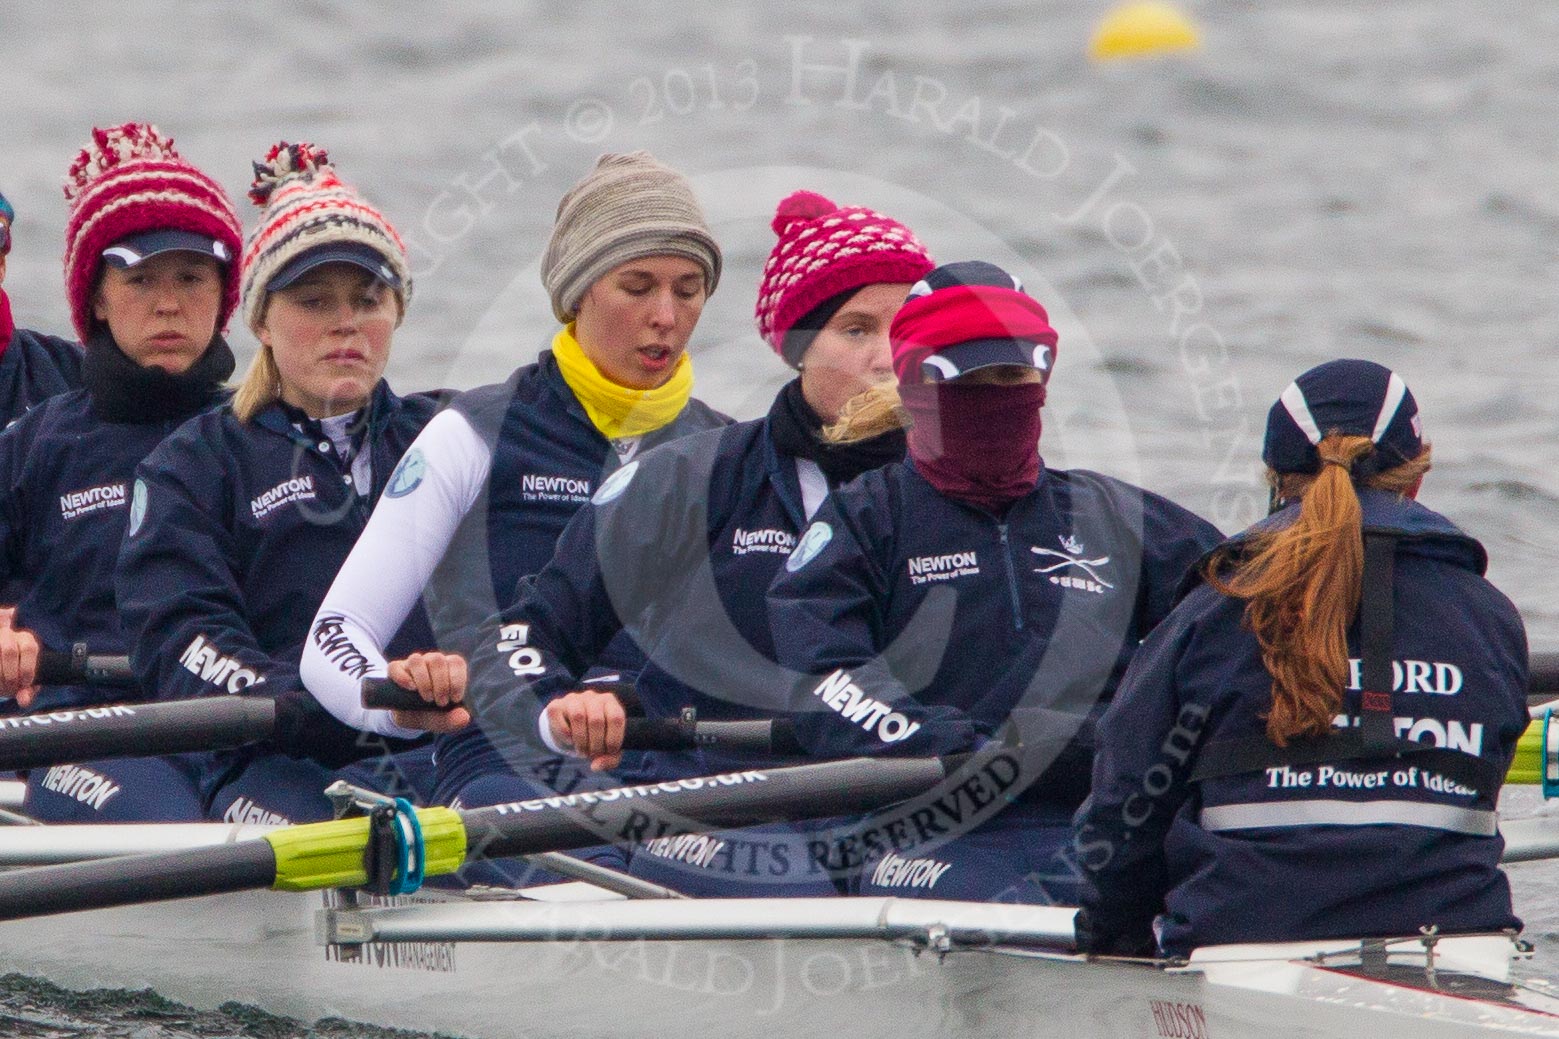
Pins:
<point x="970" y="596"/>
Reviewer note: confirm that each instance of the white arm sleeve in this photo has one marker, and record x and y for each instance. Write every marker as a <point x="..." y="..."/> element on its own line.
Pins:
<point x="380" y="582"/>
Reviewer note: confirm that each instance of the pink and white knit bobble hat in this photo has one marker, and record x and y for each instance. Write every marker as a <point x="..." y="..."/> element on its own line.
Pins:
<point x="306" y="205"/>
<point x="130" y="180"/>
<point x="824" y="250"/>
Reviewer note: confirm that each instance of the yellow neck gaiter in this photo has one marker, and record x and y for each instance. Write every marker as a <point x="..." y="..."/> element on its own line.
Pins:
<point x="618" y="411"/>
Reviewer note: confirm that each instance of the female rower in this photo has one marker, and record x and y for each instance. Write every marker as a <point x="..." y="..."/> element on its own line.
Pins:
<point x="680" y="546"/>
<point x="1256" y="777"/>
<point x="483" y="493"/>
<point x="240" y="519"/>
<point x="151" y="279"/>
<point x="932" y="602"/>
<point x="33" y="366"/>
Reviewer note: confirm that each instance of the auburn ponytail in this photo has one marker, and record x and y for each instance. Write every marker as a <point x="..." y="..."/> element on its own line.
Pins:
<point x="1302" y="584"/>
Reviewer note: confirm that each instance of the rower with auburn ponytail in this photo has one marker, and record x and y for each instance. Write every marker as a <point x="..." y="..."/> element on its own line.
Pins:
<point x="1316" y="562"/>
<point x="1312" y="744"/>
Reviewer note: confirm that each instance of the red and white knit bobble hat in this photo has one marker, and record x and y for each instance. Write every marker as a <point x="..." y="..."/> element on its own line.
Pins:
<point x="307" y="207"/>
<point x="824" y="250"/>
<point x="130" y="180"/>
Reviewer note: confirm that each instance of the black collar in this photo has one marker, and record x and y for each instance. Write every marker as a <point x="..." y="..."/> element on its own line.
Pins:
<point x="123" y="391"/>
<point x="797" y="431"/>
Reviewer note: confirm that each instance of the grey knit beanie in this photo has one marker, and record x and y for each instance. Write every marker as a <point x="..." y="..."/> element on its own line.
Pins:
<point x="628" y="207"/>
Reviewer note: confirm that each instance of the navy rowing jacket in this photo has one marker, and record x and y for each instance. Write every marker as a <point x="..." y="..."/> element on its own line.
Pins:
<point x="65" y="479"/>
<point x="677" y="548"/>
<point x="1363" y="847"/>
<point x="237" y="530"/>
<point x="922" y="624"/>
<point x="548" y="459"/>
<point x="34" y="368"/>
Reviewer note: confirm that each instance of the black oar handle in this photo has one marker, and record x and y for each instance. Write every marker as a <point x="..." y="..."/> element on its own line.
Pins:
<point x="773" y="737"/>
<point x="76" y="666"/>
<point x="386" y="695"/>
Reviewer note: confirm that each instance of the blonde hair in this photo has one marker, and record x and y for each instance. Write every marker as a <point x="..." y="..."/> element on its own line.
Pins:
<point x="870" y="413"/>
<point x="1302" y="584"/>
<point x="261" y="386"/>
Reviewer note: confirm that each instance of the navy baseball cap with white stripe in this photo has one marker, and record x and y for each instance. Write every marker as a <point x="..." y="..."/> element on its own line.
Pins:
<point x="127" y="252"/>
<point x="966" y="356"/>
<point x="358" y="254"/>
<point x="1351" y="397"/>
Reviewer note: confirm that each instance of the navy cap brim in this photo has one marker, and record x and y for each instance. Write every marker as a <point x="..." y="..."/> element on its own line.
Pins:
<point x="365" y="257"/>
<point x="962" y="358"/>
<point x="127" y="252"/>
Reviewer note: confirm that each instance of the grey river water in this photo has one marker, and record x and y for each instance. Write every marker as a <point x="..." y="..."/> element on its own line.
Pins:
<point x="1323" y="178"/>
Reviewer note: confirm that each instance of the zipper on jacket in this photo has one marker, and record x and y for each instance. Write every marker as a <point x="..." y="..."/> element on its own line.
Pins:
<point x="1012" y="579"/>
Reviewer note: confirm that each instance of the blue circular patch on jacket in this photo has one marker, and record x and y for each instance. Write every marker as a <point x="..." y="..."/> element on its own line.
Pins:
<point x="615" y="484"/>
<point x="137" y="506"/>
<point x="816" y="538"/>
<point x="408" y="474"/>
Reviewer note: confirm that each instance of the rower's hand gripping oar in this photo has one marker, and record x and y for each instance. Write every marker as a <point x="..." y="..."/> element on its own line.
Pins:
<point x="332" y="854"/>
<point x="773" y="737"/>
<point x="221" y="722"/>
<point x="212" y="723"/>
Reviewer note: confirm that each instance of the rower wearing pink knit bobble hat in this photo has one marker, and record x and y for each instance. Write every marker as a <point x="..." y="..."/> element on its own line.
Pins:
<point x="151" y="251"/>
<point x="680" y="545"/>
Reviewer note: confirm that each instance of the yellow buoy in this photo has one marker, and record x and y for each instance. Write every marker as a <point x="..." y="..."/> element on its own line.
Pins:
<point x="1140" y="29"/>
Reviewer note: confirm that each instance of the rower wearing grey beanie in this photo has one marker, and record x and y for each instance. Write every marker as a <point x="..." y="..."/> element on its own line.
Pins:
<point x="629" y="207"/>
<point x="488" y="486"/>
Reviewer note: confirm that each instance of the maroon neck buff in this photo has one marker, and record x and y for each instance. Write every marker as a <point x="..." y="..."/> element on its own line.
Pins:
<point x="7" y="326"/>
<point x="976" y="443"/>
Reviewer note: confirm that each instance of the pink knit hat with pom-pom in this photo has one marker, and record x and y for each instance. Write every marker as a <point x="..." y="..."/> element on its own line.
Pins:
<point x="825" y="250"/>
<point x="130" y="180"/>
<point x="306" y="208"/>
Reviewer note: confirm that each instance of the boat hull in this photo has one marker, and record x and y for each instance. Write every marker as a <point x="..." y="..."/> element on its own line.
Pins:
<point x="263" y="948"/>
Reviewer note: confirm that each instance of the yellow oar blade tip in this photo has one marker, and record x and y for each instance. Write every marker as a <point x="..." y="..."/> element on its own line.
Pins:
<point x="1137" y="30"/>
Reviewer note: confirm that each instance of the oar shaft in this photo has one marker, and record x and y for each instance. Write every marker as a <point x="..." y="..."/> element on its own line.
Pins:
<point x="332" y="854"/>
<point x="635" y="814"/>
<point x="1545" y="674"/>
<point x="106" y="882"/>
<point x="134" y="730"/>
